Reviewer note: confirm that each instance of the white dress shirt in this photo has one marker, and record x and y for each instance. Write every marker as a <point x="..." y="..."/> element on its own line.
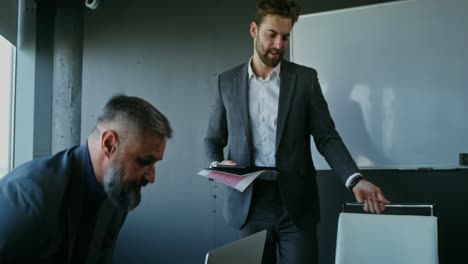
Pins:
<point x="263" y="113"/>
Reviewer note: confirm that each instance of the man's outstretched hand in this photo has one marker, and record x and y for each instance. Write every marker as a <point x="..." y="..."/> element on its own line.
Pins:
<point x="371" y="195"/>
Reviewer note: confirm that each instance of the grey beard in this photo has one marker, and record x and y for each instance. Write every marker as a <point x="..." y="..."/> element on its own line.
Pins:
<point x="124" y="195"/>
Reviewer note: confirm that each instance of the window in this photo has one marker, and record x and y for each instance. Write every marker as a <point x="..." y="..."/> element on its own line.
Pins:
<point x="7" y="71"/>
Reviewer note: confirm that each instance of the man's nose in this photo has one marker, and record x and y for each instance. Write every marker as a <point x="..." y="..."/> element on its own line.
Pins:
<point x="150" y="175"/>
<point x="278" y="43"/>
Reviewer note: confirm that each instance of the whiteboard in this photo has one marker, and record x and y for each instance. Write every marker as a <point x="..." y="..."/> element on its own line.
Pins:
<point x="395" y="76"/>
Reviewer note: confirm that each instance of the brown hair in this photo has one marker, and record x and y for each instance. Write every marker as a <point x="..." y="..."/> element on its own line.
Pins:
<point x="281" y="8"/>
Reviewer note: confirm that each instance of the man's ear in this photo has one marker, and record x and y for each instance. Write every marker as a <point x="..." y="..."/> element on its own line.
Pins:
<point x="109" y="142"/>
<point x="253" y="29"/>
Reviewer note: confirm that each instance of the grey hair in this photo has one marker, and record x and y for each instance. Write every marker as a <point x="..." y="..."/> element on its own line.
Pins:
<point x="136" y="114"/>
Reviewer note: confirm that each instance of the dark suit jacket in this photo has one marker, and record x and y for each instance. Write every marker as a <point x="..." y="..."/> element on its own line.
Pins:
<point x="40" y="207"/>
<point x="302" y="111"/>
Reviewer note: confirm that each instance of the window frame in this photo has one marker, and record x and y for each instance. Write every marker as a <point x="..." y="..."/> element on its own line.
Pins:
<point x="11" y="110"/>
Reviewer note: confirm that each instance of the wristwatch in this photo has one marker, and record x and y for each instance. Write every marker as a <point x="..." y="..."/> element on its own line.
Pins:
<point x="354" y="181"/>
<point x="214" y="164"/>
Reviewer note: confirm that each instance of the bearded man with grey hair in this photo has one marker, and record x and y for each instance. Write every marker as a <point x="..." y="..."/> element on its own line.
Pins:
<point x="70" y="207"/>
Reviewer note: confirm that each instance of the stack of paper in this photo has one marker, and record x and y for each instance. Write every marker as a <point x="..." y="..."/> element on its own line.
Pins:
<point x="239" y="180"/>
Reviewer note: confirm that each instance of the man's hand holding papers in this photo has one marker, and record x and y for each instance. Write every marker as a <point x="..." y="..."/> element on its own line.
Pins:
<point x="235" y="176"/>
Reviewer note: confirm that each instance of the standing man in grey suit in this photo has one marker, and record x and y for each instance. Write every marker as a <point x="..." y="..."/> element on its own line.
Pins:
<point x="69" y="208"/>
<point x="265" y="112"/>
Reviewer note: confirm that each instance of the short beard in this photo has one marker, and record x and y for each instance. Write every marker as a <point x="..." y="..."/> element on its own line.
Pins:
<point x="126" y="196"/>
<point x="264" y="56"/>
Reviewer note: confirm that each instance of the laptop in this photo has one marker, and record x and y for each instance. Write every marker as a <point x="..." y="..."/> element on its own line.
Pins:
<point x="248" y="250"/>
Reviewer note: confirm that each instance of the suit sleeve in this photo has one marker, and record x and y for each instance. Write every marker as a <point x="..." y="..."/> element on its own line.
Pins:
<point x="217" y="132"/>
<point x="327" y="139"/>
<point x="20" y="224"/>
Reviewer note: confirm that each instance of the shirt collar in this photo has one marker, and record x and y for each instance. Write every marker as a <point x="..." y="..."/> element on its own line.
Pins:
<point x="273" y="74"/>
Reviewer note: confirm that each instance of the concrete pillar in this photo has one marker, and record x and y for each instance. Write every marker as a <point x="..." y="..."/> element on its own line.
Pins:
<point x="67" y="74"/>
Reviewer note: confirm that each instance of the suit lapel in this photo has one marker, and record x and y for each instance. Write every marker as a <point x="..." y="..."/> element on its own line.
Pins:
<point x="76" y="198"/>
<point x="242" y="95"/>
<point x="103" y="219"/>
<point x="74" y="215"/>
<point x="242" y="88"/>
<point x="287" y="86"/>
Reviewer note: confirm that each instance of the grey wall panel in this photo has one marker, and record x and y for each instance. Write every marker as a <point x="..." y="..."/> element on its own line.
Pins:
<point x="44" y="80"/>
<point x="167" y="55"/>
<point x="168" y="52"/>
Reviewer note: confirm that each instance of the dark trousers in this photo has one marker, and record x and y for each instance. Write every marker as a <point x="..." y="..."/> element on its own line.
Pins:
<point x="267" y="211"/>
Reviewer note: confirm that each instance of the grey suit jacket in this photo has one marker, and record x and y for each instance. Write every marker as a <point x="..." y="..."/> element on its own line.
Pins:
<point x="41" y="203"/>
<point x="302" y="111"/>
